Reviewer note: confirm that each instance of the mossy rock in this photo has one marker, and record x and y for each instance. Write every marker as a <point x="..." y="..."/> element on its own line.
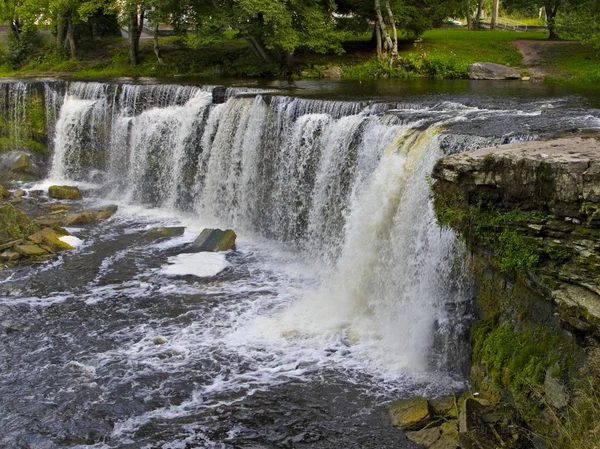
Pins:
<point x="10" y="255"/>
<point x="90" y="216"/>
<point x="14" y="224"/>
<point x="214" y="240"/>
<point x="409" y="414"/>
<point x="4" y="193"/>
<point x="22" y="164"/>
<point x="156" y="233"/>
<point x="49" y="237"/>
<point x="30" y="250"/>
<point x="444" y="406"/>
<point x="425" y="437"/>
<point x="64" y="192"/>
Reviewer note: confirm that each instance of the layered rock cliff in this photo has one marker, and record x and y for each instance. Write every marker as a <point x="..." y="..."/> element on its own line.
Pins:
<point x="530" y="215"/>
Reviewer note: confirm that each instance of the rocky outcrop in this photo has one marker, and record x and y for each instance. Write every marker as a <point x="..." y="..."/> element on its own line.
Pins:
<point x="213" y="240"/>
<point x="492" y="71"/>
<point x="89" y="216"/>
<point x="529" y="214"/>
<point x="64" y="193"/>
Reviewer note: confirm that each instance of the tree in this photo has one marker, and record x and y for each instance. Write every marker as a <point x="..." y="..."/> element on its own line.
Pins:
<point x="551" y="8"/>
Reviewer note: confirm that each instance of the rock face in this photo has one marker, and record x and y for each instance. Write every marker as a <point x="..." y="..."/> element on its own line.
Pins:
<point x="64" y="193"/>
<point x="491" y="71"/>
<point x="213" y="240"/>
<point x="530" y="215"/>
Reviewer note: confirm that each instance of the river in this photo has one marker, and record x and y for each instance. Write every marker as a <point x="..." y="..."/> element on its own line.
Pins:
<point x="342" y="293"/>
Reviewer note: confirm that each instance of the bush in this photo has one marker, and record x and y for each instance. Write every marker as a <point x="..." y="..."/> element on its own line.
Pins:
<point x="20" y="49"/>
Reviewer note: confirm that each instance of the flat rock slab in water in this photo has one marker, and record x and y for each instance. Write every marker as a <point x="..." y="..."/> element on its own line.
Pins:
<point x="213" y="240"/>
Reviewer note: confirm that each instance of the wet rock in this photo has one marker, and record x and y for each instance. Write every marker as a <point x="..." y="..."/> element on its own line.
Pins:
<point x="30" y="250"/>
<point x="14" y="224"/>
<point x="444" y="406"/>
<point x="89" y="216"/>
<point x="213" y="240"/>
<point x="425" y="437"/>
<point x="36" y="193"/>
<point x="22" y="164"/>
<point x="3" y="192"/>
<point x="159" y="340"/>
<point x="10" y="255"/>
<point x="19" y="193"/>
<point x="409" y="414"/>
<point x="491" y="71"/>
<point x="446" y="441"/>
<point x="156" y="233"/>
<point x="331" y="72"/>
<point x="64" y="192"/>
<point x="49" y="237"/>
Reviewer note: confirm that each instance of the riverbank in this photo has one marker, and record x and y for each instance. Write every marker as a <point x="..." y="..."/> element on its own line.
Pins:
<point x="441" y="54"/>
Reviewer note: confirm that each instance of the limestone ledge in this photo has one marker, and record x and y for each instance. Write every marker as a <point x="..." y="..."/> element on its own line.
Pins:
<point x="538" y="201"/>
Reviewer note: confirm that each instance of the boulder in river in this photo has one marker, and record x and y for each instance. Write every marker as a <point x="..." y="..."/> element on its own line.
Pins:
<point x="410" y="414"/>
<point x="90" y="216"/>
<point x="491" y="71"/>
<point x="213" y="240"/>
<point x="64" y="192"/>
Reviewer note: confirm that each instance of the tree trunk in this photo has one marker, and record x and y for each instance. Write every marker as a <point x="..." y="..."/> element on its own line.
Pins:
<point x="260" y="48"/>
<point x="395" y="32"/>
<point x="495" y="10"/>
<point x="156" y="47"/>
<point x="478" y="16"/>
<point x="384" y="33"/>
<point x="378" y="42"/>
<point x="551" y="19"/>
<point x="468" y="15"/>
<point x="15" y="27"/>
<point x="60" y="31"/>
<point x="136" y="25"/>
<point x="70" y="37"/>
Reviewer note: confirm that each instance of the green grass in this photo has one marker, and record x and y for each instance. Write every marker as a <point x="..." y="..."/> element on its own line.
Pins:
<point x="445" y="53"/>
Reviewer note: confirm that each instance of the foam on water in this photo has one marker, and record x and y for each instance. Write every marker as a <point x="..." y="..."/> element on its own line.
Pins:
<point x="200" y="264"/>
<point x="71" y="240"/>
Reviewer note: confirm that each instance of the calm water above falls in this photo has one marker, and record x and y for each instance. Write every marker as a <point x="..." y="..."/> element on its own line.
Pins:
<point x="342" y="294"/>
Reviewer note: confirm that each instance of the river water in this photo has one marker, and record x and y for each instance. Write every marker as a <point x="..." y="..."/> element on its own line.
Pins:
<point x="342" y="293"/>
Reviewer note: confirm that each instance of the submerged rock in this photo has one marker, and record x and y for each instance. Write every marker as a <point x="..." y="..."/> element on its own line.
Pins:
<point x="492" y="71"/>
<point x="156" y="233"/>
<point x="64" y="192"/>
<point x="90" y="216"/>
<point x="213" y="240"/>
<point x="410" y="414"/>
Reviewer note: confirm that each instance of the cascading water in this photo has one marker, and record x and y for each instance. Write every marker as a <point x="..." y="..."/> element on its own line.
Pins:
<point x="343" y="292"/>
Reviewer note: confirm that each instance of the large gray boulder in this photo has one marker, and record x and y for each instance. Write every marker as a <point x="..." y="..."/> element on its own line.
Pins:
<point x="491" y="71"/>
<point x="213" y="240"/>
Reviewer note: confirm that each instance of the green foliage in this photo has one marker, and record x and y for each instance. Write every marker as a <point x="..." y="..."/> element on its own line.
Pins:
<point x="514" y="253"/>
<point x="20" y="49"/>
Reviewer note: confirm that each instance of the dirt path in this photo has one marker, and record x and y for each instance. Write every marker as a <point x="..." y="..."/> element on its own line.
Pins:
<point x="537" y="54"/>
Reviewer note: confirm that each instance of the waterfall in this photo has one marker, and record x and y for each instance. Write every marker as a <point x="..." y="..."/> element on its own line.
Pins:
<point x="344" y="184"/>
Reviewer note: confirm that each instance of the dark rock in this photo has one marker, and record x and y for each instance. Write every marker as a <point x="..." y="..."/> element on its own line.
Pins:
<point x="444" y="406"/>
<point x="491" y="71"/>
<point x="469" y="417"/>
<point x="213" y="240"/>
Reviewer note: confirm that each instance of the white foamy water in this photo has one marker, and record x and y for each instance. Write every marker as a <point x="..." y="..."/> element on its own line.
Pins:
<point x="203" y="264"/>
<point x="71" y="240"/>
